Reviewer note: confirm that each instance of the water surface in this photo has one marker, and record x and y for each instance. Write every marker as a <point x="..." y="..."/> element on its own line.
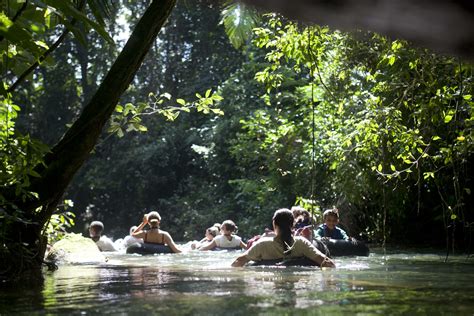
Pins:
<point x="203" y="283"/>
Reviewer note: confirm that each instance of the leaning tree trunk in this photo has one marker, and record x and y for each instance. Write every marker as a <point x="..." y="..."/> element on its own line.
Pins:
<point x="70" y="153"/>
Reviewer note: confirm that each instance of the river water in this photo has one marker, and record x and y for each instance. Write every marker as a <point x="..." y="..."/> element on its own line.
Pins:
<point x="203" y="283"/>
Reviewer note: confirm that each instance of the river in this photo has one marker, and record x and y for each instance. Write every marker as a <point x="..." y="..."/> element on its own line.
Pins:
<point x="203" y="283"/>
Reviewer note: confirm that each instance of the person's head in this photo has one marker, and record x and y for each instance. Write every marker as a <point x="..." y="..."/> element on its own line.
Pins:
<point x="218" y="226"/>
<point x="154" y="219"/>
<point x="132" y="229"/>
<point x="95" y="230"/>
<point x="228" y="227"/>
<point x="282" y="223"/>
<point x="297" y="211"/>
<point x="211" y="232"/>
<point x="331" y="218"/>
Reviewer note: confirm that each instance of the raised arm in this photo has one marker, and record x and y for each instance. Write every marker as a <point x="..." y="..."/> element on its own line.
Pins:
<point x="139" y="233"/>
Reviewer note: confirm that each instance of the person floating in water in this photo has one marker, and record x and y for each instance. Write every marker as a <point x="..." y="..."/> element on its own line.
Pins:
<point x="329" y="228"/>
<point x="103" y="242"/>
<point x="283" y="245"/>
<point x="209" y="236"/>
<point x="155" y="240"/>
<point x="227" y="239"/>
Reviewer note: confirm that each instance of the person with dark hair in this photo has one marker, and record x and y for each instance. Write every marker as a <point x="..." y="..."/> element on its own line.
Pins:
<point x="329" y="228"/>
<point x="227" y="239"/>
<point x="103" y="242"/>
<point x="283" y="245"/>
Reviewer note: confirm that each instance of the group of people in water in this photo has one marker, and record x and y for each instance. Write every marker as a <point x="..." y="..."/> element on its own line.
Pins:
<point x="290" y="237"/>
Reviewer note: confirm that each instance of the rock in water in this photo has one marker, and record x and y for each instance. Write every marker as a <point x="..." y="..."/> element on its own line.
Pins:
<point x="74" y="248"/>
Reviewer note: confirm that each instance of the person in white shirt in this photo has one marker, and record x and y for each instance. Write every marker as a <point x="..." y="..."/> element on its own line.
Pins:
<point x="103" y="242"/>
<point x="227" y="239"/>
<point x="130" y="240"/>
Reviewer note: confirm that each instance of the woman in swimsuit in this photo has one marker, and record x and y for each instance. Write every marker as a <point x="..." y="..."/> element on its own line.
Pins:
<point x="154" y="236"/>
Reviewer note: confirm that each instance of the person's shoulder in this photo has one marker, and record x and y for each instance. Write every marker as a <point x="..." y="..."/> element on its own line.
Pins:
<point x="237" y="237"/>
<point x="264" y="240"/>
<point x="301" y="239"/>
<point x="105" y="239"/>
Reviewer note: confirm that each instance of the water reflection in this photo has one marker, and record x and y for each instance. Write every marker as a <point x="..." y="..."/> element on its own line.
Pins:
<point x="205" y="284"/>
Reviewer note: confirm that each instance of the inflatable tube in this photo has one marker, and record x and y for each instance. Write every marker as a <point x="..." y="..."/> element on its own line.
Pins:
<point x="339" y="247"/>
<point x="148" y="249"/>
<point x="289" y="262"/>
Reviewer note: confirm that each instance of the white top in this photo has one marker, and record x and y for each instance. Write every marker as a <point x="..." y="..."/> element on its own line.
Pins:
<point x="105" y="244"/>
<point x="223" y="242"/>
<point x="130" y="240"/>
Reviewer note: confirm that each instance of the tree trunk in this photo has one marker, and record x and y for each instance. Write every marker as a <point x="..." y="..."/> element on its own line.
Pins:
<point x="69" y="154"/>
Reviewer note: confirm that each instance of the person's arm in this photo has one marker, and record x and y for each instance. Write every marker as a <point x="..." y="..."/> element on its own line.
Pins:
<point x="241" y="260"/>
<point x="243" y="245"/>
<point x="317" y="256"/>
<point x="209" y="246"/>
<point x="138" y="232"/>
<point x="169" y="241"/>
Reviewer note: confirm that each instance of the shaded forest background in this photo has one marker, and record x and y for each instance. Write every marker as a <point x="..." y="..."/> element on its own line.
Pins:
<point x="374" y="126"/>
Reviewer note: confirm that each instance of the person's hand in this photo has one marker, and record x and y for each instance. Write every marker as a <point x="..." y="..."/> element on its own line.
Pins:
<point x="327" y="263"/>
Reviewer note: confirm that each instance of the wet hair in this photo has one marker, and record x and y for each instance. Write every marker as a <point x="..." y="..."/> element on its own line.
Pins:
<point x="98" y="226"/>
<point x="153" y="218"/>
<point x="229" y="225"/>
<point x="331" y="212"/>
<point x="283" y="218"/>
<point x="213" y="231"/>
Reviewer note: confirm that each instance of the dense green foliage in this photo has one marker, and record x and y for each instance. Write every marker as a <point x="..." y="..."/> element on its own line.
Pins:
<point x="312" y="116"/>
<point x="35" y="180"/>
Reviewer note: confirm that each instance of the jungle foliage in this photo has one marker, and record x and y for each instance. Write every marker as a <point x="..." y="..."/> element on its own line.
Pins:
<point x="295" y="114"/>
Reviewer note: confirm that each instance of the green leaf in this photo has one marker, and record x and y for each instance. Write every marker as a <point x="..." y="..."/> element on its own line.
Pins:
<point x="69" y="10"/>
<point x="120" y="132"/>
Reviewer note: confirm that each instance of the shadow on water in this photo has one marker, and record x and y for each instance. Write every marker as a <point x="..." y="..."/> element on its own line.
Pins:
<point x="203" y="283"/>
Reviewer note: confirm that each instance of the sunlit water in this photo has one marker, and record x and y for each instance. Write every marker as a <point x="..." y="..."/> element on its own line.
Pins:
<point x="203" y="283"/>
